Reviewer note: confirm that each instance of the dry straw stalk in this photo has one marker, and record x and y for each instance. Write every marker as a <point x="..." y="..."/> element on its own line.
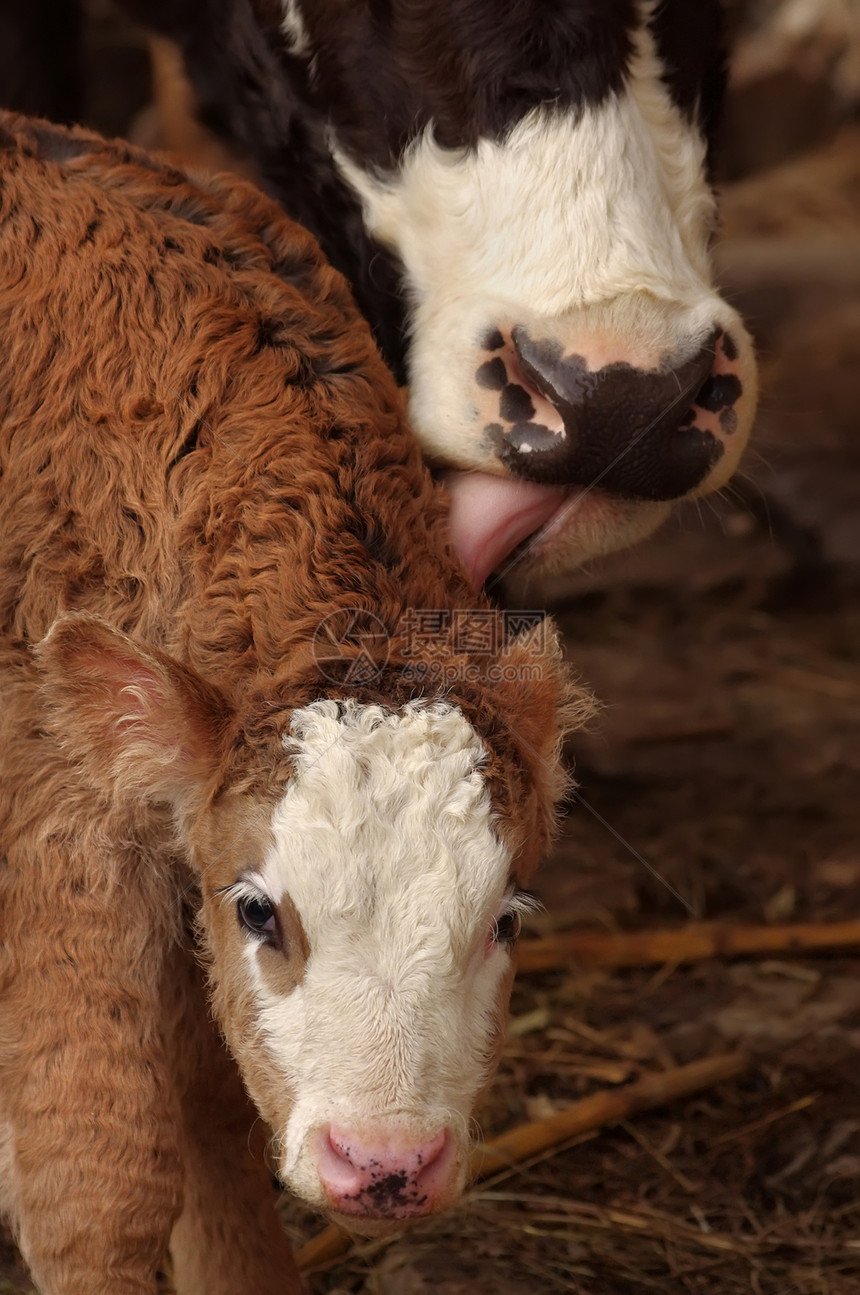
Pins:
<point x="690" y="943"/>
<point x="525" y="1140"/>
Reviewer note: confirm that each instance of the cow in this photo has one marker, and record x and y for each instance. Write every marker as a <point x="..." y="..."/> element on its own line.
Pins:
<point x="519" y="193"/>
<point x="258" y="733"/>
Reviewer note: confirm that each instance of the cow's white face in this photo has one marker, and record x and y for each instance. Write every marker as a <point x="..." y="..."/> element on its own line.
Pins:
<point x="374" y="941"/>
<point x="574" y="251"/>
<point x="569" y="358"/>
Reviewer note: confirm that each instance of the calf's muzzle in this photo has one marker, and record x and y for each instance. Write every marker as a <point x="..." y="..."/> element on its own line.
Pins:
<point x="374" y="1174"/>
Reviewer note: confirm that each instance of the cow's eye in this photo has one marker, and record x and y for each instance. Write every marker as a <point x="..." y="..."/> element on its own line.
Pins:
<point x="258" y="916"/>
<point x="507" y="927"/>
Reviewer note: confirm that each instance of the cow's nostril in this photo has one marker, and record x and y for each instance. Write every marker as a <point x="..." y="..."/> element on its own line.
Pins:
<point x="340" y="1148"/>
<point x="429" y="1154"/>
<point x="542" y="364"/>
<point x="718" y="391"/>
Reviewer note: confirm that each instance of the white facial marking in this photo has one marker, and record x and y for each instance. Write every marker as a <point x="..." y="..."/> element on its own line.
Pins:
<point x="587" y="226"/>
<point x="384" y="842"/>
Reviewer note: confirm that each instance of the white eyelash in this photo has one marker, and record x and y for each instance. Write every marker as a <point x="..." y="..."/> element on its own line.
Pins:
<point x="522" y="903"/>
<point x="247" y="888"/>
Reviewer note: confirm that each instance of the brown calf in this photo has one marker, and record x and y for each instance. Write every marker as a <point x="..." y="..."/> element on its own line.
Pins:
<point x="252" y="714"/>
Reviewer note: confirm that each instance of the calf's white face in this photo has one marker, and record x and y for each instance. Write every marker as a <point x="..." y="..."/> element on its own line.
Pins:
<point x="385" y="866"/>
<point x="358" y="905"/>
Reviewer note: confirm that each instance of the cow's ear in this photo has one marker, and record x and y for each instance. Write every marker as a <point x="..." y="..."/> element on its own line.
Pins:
<point x="135" y="721"/>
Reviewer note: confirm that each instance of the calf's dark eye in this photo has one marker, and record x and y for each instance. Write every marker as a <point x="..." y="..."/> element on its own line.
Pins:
<point x="507" y="928"/>
<point x="258" y="916"/>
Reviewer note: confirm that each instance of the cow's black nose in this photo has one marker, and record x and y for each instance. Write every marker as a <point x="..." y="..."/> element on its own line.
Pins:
<point x="631" y="431"/>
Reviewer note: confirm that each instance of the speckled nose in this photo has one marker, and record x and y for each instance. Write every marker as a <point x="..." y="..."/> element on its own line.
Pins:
<point x="641" y="434"/>
<point x="383" y="1177"/>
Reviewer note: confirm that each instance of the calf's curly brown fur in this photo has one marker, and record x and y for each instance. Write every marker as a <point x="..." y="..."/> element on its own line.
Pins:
<point x="202" y="458"/>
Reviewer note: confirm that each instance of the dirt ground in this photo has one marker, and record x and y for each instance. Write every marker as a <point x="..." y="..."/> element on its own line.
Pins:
<point x="721" y="780"/>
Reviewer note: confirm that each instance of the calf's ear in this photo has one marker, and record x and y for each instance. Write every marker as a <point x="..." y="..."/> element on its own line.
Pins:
<point x="135" y="721"/>
<point x="544" y="702"/>
<point x="542" y="705"/>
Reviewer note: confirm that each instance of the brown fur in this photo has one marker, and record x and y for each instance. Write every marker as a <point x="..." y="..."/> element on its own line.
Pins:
<point x="202" y="456"/>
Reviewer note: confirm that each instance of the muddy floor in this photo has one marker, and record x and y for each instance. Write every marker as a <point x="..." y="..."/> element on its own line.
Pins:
<point x="720" y="780"/>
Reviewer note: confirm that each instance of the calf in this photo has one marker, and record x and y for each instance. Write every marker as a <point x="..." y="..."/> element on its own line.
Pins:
<point x="263" y="727"/>
<point x="518" y="193"/>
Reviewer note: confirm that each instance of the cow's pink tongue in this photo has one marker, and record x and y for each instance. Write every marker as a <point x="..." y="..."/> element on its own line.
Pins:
<point x="490" y="516"/>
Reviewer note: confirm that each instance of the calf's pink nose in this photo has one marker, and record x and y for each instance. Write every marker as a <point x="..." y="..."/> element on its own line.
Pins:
<point x="383" y="1177"/>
